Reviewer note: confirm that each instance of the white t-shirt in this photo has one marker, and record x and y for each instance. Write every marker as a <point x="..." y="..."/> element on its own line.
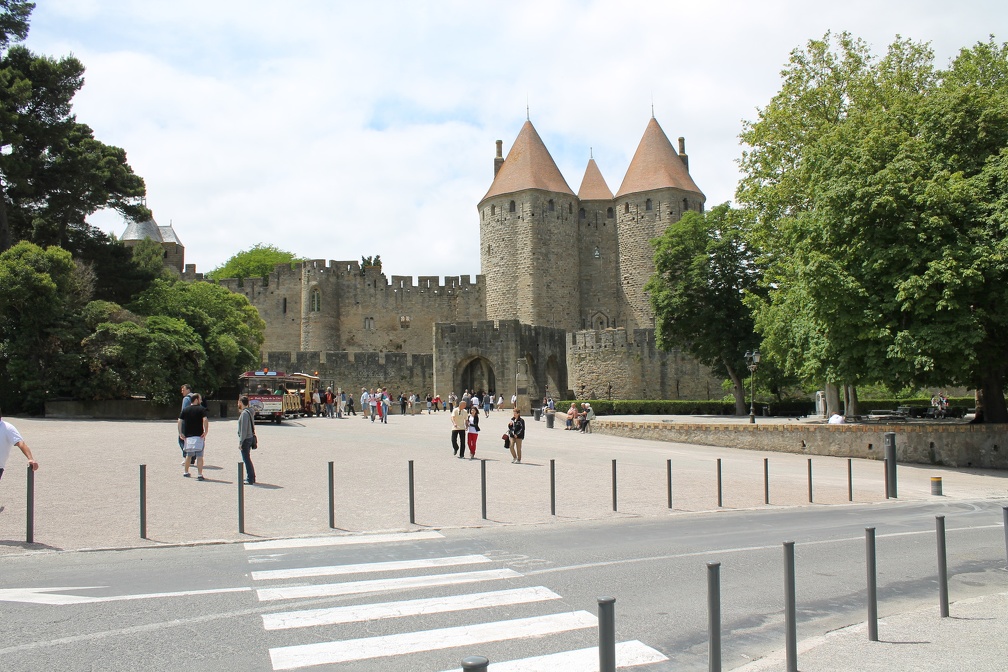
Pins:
<point x="9" y="438"/>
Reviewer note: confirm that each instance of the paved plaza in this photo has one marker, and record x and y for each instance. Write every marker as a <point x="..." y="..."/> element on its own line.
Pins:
<point x="87" y="489"/>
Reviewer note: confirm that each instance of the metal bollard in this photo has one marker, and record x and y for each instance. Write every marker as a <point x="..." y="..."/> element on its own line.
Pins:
<point x="475" y="663"/>
<point x="872" y="584"/>
<point x="936" y="485"/>
<point x="668" y="466"/>
<point x="943" y="598"/>
<point x="143" y="501"/>
<point x="1004" y="511"/>
<point x="607" y="634"/>
<point x="483" y="485"/>
<point x="790" y="610"/>
<point x="719" y="499"/>
<point x="332" y="498"/>
<point x="30" y="517"/>
<point x="810" y="480"/>
<point x="714" y="616"/>
<point x="766" y="480"/>
<point x="241" y="498"/>
<point x="412" y="512"/>
<point x="850" y="481"/>
<point x="886" y="478"/>
<point x="553" y="487"/>
<point x="614" y="485"/>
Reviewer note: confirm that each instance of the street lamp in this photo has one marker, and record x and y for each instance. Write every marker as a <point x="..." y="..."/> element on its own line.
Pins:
<point x="752" y="360"/>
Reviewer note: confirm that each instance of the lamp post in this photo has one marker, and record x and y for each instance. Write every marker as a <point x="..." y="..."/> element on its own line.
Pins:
<point x="752" y="360"/>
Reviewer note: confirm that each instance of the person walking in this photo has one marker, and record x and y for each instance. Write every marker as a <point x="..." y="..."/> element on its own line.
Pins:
<point x="458" y="421"/>
<point x="472" y="431"/>
<point x="330" y="403"/>
<point x="487" y="403"/>
<point x="514" y="400"/>
<point x="374" y="403"/>
<point x="192" y="428"/>
<point x="516" y="430"/>
<point x="247" y="441"/>
<point x="350" y="406"/>
<point x="365" y="402"/>
<point x="316" y="402"/>
<point x="402" y="403"/>
<point x="10" y="437"/>
<point x="186" y="400"/>
<point x="385" y="402"/>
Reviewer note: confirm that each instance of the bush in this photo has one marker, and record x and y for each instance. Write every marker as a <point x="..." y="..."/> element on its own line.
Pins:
<point x="785" y="408"/>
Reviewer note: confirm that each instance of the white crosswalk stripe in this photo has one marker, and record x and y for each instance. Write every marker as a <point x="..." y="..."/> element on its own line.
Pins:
<point x="292" y="657"/>
<point x="357" y="650"/>
<point x="432" y="605"/>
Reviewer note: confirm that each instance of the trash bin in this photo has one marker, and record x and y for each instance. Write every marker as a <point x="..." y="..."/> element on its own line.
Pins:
<point x="536" y="412"/>
<point x="550" y="417"/>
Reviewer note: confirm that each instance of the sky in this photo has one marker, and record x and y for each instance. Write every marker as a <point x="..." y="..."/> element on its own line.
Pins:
<point x="337" y="130"/>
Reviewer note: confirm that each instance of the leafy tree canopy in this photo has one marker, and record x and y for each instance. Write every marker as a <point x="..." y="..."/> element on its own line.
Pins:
<point x="879" y="191"/>
<point x="256" y="262"/>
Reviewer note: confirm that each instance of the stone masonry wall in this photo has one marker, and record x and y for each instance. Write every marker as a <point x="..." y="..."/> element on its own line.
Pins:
<point x="395" y="370"/>
<point x="635" y="368"/>
<point x="984" y="446"/>
<point x="601" y="307"/>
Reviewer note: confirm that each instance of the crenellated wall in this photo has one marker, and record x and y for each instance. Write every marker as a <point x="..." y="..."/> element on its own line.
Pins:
<point x="397" y="371"/>
<point x="635" y="368"/>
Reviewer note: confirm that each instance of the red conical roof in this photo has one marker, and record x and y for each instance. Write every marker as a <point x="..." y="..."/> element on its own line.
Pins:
<point x="593" y="185"/>
<point x="656" y="165"/>
<point x="528" y="166"/>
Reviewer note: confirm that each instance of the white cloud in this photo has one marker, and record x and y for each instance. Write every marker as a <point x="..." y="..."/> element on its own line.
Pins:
<point x="337" y="130"/>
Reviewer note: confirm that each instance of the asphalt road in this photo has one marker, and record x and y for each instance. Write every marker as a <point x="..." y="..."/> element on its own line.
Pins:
<point x="508" y="593"/>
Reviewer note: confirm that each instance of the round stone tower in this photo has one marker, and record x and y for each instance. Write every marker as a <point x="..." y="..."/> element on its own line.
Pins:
<point x="528" y="238"/>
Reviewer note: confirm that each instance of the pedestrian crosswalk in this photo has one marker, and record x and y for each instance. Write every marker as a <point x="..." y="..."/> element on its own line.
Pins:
<point x="457" y="620"/>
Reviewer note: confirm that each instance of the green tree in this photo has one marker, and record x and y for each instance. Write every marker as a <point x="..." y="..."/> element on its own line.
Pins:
<point x="370" y="262"/>
<point x="226" y="327"/>
<point x="53" y="172"/>
<point x="256" y="262"/>
<point x="879" y="185"/>
<point x="703" y="269"/>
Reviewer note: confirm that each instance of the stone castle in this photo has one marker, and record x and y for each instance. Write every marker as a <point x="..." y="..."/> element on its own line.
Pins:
<point x="559" y="310"/>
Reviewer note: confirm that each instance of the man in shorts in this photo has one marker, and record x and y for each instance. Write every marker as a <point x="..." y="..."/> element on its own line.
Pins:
<point x="192" y="428"/>
<point x="10" y="437"/>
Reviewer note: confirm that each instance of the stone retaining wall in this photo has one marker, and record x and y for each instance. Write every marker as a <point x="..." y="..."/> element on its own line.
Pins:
<point x="952" y="445"/>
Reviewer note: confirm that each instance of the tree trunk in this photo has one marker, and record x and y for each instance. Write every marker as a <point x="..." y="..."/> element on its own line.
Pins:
<point x="851" y="401"/>
<point x="738" y="389"/>
<point x="994" y="409"/>
<point x="832" y="399"/>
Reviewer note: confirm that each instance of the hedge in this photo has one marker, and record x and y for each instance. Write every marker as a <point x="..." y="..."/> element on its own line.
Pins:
<point x="785" y="408"/>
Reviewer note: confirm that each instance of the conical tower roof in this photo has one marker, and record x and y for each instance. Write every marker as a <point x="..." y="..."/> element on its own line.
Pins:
<point x="593" y="185"/>
<point x="528" y="166"/>
<point x="142" y="230"/>
<point x="656" y="165"/>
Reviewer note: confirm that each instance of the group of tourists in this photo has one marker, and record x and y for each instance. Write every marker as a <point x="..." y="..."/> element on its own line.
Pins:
<point x="194" y="425"/>
<point x="580" y="419"/>
<point x="332" y="404"/>
<point x="465" y="422"/>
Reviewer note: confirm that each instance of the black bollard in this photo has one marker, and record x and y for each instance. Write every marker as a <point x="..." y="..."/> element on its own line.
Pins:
<point x="614" y="485"/>
<point x="607" y="634"/>
<point x="850" y="481"/>
<point x="553" y="487"/>
<point x="668" y="465"/>
<point x="719" y="499"/>
<point x="241" y="498"/>
<point x="143" y="501"/>
<point x="872" y="584"/>
<point x="1004" y="511"/>
<point x="332" y="498"/>
<point x="766" y="480"/>
<point x="810" y="480"/>
<point x="790" y="610"/>
<point x="943" y="598"/>
<point x="714" y="616"/>
<point x="412" y="511"/>
<point x="483" y="485"/>
<point x="30" y="518"/>
<point x="475" y="664"/>
<point x="886" y="478"/>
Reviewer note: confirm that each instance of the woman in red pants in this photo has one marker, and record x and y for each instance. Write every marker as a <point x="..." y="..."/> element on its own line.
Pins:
<point x="472" y="431"/>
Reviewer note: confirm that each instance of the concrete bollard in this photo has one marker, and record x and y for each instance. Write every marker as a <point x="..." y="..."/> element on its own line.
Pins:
<point x="714" y="616"/>
<point x="607" y="634"/>
<point x="936" y="485"/>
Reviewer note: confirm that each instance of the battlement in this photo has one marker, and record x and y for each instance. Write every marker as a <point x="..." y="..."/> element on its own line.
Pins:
<point x="609" y="339"/>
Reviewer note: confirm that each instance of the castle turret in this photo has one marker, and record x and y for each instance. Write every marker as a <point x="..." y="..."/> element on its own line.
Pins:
<point x="598" y="249"/>
<point x="656" y="191"/>
<point x="528" y="229"/>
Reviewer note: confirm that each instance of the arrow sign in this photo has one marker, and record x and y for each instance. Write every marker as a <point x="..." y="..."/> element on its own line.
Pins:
<point x="53" y="595"/>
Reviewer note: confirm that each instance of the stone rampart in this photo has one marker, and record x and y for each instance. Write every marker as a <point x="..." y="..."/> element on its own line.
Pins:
<point x="351" y="371"/>
<point x="959" y="445"/>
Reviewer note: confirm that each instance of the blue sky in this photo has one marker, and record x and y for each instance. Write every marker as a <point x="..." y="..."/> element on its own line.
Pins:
<point x="342" y="129"/>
